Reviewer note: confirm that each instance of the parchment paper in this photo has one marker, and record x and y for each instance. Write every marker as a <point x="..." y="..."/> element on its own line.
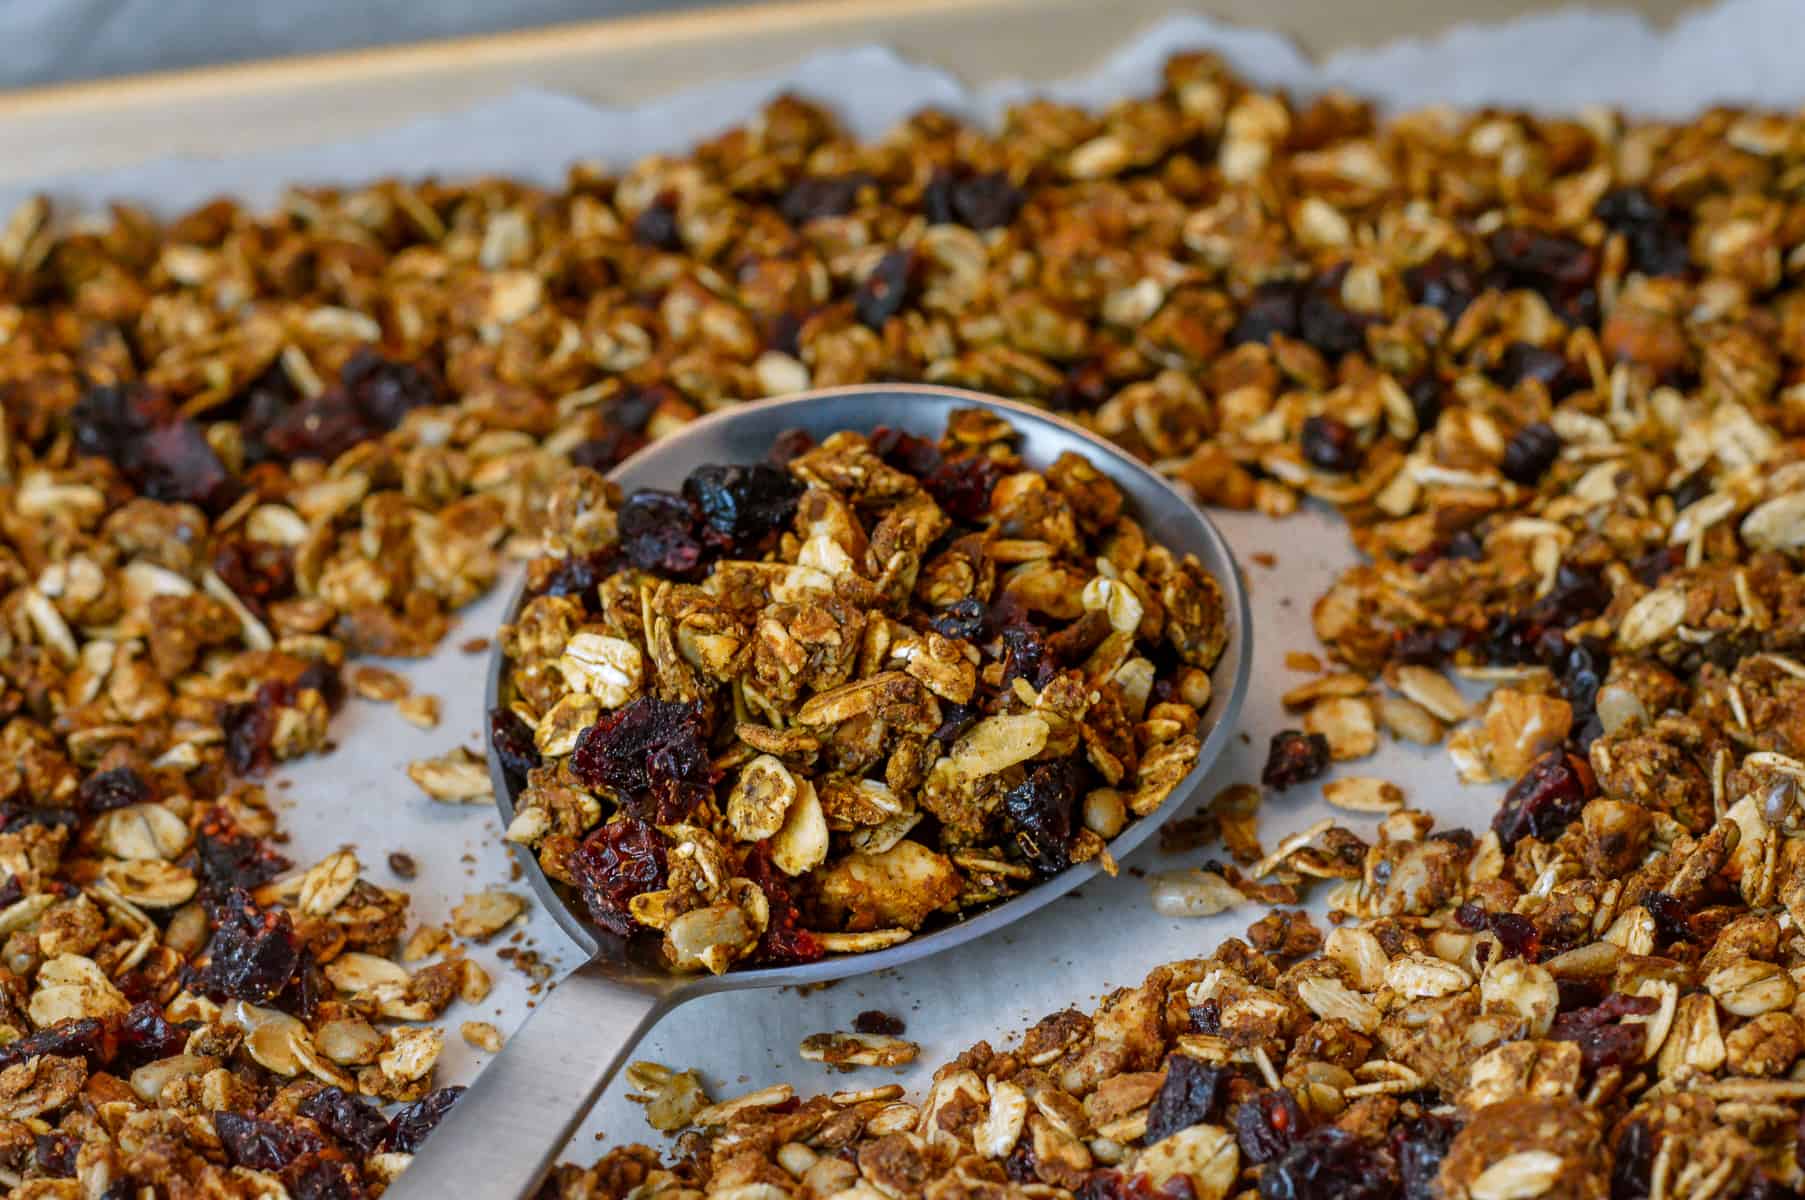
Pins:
<point x="1743" y="51"/>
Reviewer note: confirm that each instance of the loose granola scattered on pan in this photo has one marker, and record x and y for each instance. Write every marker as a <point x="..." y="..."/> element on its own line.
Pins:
<point x="1550" y="371"/>
<point x="885" y="682"/>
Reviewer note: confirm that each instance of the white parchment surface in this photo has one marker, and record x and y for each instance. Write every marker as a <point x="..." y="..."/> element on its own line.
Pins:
<point x="1742" y="51"/>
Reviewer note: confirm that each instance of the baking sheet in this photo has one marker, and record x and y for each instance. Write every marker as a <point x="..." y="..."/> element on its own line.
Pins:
<point x="1107" y="934"/>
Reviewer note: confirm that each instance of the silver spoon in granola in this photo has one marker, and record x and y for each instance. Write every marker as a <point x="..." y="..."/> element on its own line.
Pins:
<point x="853" y="708"/>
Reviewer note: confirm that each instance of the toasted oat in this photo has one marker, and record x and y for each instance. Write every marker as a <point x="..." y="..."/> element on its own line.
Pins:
<point x="1363" y="794"/>
<point x="848" y="1050"/>
<point x="456" y="777"/>
<point x="378" y="683"/>
<point x="419" y="709"/>
<point x="481" y="915"/>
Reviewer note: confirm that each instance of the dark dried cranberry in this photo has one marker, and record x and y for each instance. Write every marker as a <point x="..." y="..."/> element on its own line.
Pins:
<point x="1530" y="452"/>
<point x="1419" y="1146"/>
<point x="1425" y="392"/>
<point x="656" y="225"/>
<point x="877" y="1021"/>
<point x="978" y="201"/>
<point x="1272" y="309"/>
<point x="1602" y="1040"/>
<point x="1266" y="1124"/>
<point x="259" y="1144"/>
<point x="580" y="574"/>
<point x="607" y="450"/>
<point x="18" y="816"/>
<point x="253" y="953"/>
<point x="617" y="862"/>
<point x="79" y="1037"/>
<point x="259" y="573"/>
<point x="822" y="196"/>
<point x="659" y="533"/>
<point x="1041" y="812"/>
<point x="386" y="390"/>
<point x="652" y="755"/>
<point x="162" y="454"/>
<point x="323" y="1176"/>
<point x="955" y="719"/>
<point x="790" y="445"/>
<point x="918" y="456"/>
<point x="1673" y="923"/>
<point x="1323" y="322"/>
<point x="1547" y="797"/>
<point x="1691" y="490"/>
<point x="1443" y="282"/>
<point x="250" y="728"/>
<point x="886" y="289"/>
<point x="1019" y="1165"/>
<point x="1206" y="1017"/>
<point x="744" y="504"/>
<point x="116" y="788"/>
<point x="1522" y="360"/>
<point x="1766" y="1187"/>
<point x="322" y="426"/>
<point x="1427" y="646"/>
<point x="965" y="619"/>
<point x="1656" y="238"/>
<point x="1560" y="269"/>
<point x="785" y="943"/>
<point x="1331" y="444"/>
<point x="346" y="1117"/>
<point x="1329" y="1164"/>
<point x="55" y="1154"/>
<point x="1025" y="655"/>
<point x="409" y="1128"/>
<point x="962" y="486"/>
<point x="229" y="858"/>
<point x="11" y="892"/>
<point x="322" y="677"/>
<point x="1294" y="757"/>
<point x="1517" y="935"/>
<point x="1190" y="1095"/>
<point x="146" y="1035"/>
<point x="513" y="743"/>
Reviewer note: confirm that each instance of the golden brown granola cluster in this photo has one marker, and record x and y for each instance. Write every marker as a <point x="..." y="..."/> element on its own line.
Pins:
<point x="1548" y="369"/>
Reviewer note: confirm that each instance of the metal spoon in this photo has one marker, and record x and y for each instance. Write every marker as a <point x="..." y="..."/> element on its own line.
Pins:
<point x="502" y="1136"/>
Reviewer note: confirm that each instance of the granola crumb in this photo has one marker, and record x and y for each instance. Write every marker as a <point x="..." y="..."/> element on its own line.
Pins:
<point x="481" y="1035"/>
<point x="419" y="709"/>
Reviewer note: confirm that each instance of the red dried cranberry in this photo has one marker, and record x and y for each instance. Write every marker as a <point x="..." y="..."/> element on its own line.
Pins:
<point x="322" y="677"/>
<point x="1602" y="1040"/>
<point x="1266" y="1124"/>
<point x="1085" y="387"/>
<point x="966" y="620"/>
<point x="1530" y="452"/>
<point x="1419" y="1145"/>
<point x="1329" y="1164"/>
<point x="323" y="1175"/>
<point x="651" y="755"/>
<point x="617" y="862"/>
<point x="918" y="456"/>
<point x="1523" y="360"/>
<point x="1294" y="757"/>
<point x="785" y="943"/>
<point x="253" y="954"/>
<point x="955" y="719"/>
<point x="116" y="788"/>
<point x="259" y="1144"/>
<point x="659" y="532"/>
<point x="1517" y="935"/>
<point x="1560" y="269"/>
<point x="1443" y="282"/>
<point x="1041" y="812"/>
<point x="250" y="728"/>
<point x="55" y="1154"/>
<point x="259" y="573"/>
<point x="145" y="1035"/>
<point x="580" y="575"/>
<point x="1019" y="1165"/>
<point x="1025" y="655"/>
<point x="386" y="390"/>
<point x="322" y="427"/>
<point x="978" y="201"/>
<point x="229" y="858"/>
<point x="962" y="486"/>
<point x="1673" y="923"/>
<point x="162" y="454"/>
<point x="1547" y="797"/>
<point x="746" y="505"/>
<point x="656" y="226"/>
<point x="607" y="450"/>
<point x="1190" y="1095"/>
<point x="1323" y="322"/>
<point x="876" y="1021"/>
<point x="78" y="1037"/>
<point x="1425" y="392"/>
<point x="815" y="196"/>
<point x="409" y="1128"/>
<point x="1272" y="309"/>
<point x="513" y="743"/>
<point x="1657" y="238"/>
<point x="346" y="1117"/>
<point x="790" y="445"/>
<point x="1331" y="445"/>
<point x="886" y="290"/>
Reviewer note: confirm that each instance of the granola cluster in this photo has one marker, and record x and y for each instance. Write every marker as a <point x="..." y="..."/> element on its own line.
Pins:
<point x="807" y="707"/>
<point x="1550" y="371"/>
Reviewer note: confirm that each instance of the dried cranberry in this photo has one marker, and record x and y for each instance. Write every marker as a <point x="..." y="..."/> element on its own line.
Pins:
<point x="250" y="728"/>
<point x="988" y="200"/>
<point x="659" y="533"/>
<point x="822" y="196"/>
<point x="513" y="743"/>
<point x="55" y="1154"/>
<point x="1547" y="797"/>
<point x="1266" y="1124"/>
<point x="878" y="1022"/>
<point x="1673" y="923"/>
<point x="1019" y="1165"/>
<point x="323" y="1176"/>
<point x="1443" y="282"/>
<point x="966" y="620"/>
<point x="955" y="719"/>
<point x="656" y="225"/>
<point x="886" y="290"/>
<point x="1656" y="238"/>
<point x="1331" y="444"/>
<point x="78" y="1037"/>
<point x="918" y="456"/>
<point x="1206" y="1017"/>
<point x="386" y="390"/>
<point x="1602" y="1040"/>
<point x="259" y="1144"/>
<point x="322" y="677"/>
<point x="1085" y="387"/>
<point x="259" y="573"/>
<point x="346" y="1117"/>
<point x="962" y="486"/>
<point x="229" y="858"/>
<point x="18" y="816"/>
<point x="322" y="426"/>
<point x="607" y="450"/>
<point x="1025" y="655"/>
<point x="1329" y="1164"/>
<point x="1419" y="1145"/>
<point x="146" y="1035"/>
<point x="1523" y="360"/>
<point x="1294" y="757"/>
<point x="253" y="953"/>
<point x="1272" y="309"/>
<point x="1427" y="646"/>
<point x="744" y="504"/>
<point x="651" y="755"/>
<point x="790" y="445"/>
<point x="617" y="862"/>
<point x="116" y="788"/>
<point x="1530" y="452"/>
<point x="163" y="455"/>
<point x="580" y="574"/>
<point x="1190" y="1095"/>
<point x="785" y="942"/>
<point x="409" y="1128"/>
<point x="1041" y="813"/>
<point x="1517" y="935"/>
<point x="1691" y="490"/>
<point x="1324" y="322"/>
<point x="1765" y="1187"/>
<point x="1425" y="392"/>
<point x="634" y="407"/>
<point x="1560" y="269"/>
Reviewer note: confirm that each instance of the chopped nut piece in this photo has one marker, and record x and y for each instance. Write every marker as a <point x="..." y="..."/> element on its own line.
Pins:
<point x="481" y="1035"/>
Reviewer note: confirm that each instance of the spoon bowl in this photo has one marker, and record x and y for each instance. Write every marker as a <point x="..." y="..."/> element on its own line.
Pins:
<point x="504" y="1133"/>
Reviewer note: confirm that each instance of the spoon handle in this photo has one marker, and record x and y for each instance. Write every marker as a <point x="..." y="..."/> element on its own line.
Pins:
<point x="503" y="1135"/>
